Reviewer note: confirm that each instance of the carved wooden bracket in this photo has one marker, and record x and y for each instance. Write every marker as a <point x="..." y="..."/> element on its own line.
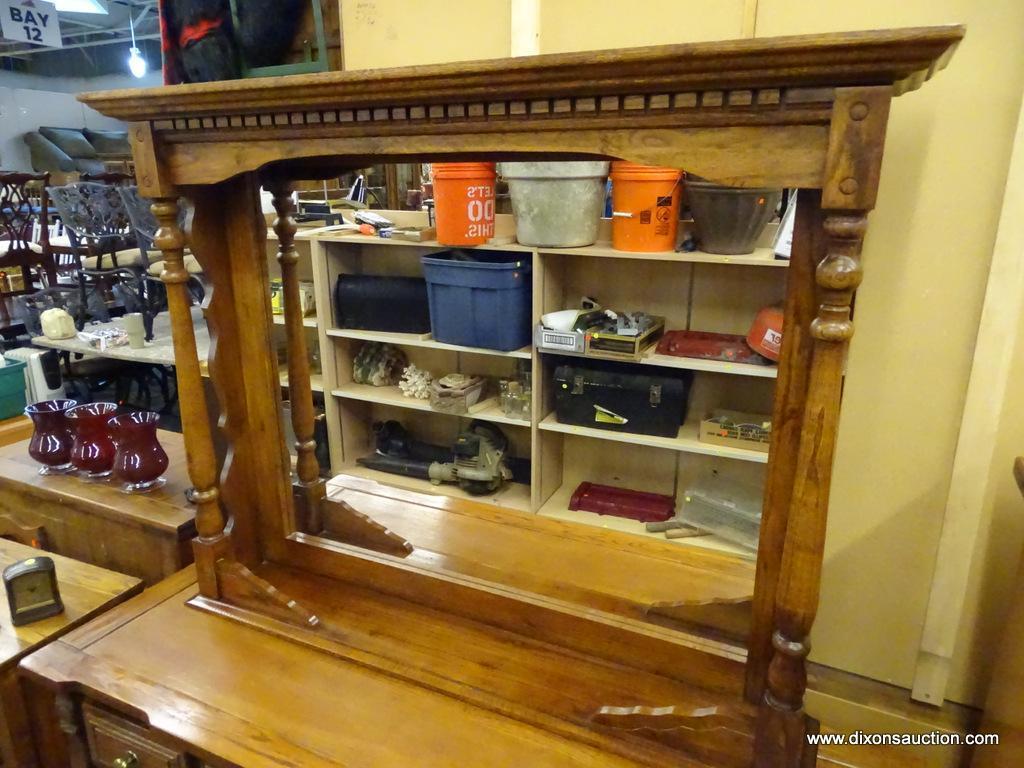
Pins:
<point x="242" y="588"/>
<point x="728" y="617"/>
<point x="341" y="522"/>
<point x="29" y="535"/>
<point x="709" y="733"/>
<point x="670" y="718"/>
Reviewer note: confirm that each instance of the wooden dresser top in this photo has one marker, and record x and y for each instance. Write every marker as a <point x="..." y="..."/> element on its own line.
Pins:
<point x="86" y="591"/>
<point x="229" y="692"/>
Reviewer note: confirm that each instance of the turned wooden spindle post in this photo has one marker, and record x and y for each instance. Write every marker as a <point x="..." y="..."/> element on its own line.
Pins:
<point x="849" y="189"/>
<point x="195" y="421"/>
<point x="837" y="277"/>
<point x="300" y="390"/>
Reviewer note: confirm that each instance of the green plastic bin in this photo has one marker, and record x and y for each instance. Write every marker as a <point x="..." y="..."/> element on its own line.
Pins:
<point x="12" y="389"/>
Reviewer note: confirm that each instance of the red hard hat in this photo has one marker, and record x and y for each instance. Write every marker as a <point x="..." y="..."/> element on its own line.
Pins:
<point x="765" y="335"/>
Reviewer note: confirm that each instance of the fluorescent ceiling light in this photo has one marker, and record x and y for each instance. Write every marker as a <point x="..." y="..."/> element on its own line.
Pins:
<point x="81" y="6"/>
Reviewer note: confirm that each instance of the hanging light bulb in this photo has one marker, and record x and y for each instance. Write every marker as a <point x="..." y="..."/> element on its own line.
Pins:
<point x="136" y="64"/>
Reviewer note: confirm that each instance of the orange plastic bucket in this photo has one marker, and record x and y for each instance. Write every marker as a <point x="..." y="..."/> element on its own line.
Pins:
<point x="464" y="202"/>
<point x="645" y="207"/>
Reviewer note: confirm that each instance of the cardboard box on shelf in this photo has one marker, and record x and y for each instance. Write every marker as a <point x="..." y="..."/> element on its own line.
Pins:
<point x="737" y="430"/>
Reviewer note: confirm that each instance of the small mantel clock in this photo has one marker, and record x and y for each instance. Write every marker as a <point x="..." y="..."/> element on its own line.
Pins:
<point x="32" y="591"/>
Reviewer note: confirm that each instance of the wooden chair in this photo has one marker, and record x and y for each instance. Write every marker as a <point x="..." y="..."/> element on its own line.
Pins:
<point x="24" y="206"/>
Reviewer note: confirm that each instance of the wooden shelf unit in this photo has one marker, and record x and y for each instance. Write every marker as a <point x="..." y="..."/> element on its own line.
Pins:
<point x="686" y="441"/>
<point x="514" y="496"/>
<point x="687" y="288"/>
<point x="422" y="340"/>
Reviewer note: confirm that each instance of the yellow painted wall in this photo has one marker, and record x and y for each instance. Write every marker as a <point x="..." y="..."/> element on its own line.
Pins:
<point x="394" y="33"/>
<point x="926" y="263"/>
<point x="580" y="25"/>
<point x="1002" y="530"/>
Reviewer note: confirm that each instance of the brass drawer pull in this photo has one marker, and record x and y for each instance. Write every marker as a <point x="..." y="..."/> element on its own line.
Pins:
<point x="131" y="760"/>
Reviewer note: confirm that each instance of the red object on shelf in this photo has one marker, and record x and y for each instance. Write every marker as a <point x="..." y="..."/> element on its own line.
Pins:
<point x="622" y="502"/>
<point x="708" y="346"/>
<point x="766" y="333"/>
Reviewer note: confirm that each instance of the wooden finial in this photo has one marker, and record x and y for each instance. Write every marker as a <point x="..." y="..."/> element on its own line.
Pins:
<point x="838" y="276"/>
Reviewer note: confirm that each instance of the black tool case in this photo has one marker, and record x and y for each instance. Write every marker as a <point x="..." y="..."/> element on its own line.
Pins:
<point x="382" y="303"/>
<point x="617" y="398"/>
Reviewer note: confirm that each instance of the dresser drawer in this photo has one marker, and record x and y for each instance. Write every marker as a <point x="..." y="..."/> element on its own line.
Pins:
<point x="118" y="743"/>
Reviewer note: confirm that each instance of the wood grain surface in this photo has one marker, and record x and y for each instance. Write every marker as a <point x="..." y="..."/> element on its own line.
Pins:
<point x="15" y="429"/>
<point x="86" y="592"/>
<point x="904" y="57"/>
<point x="233" y="714"/>
<point x="600" y="568"/>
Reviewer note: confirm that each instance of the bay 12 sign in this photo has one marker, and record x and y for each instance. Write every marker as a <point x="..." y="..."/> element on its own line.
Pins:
<point x="30" y="21"/>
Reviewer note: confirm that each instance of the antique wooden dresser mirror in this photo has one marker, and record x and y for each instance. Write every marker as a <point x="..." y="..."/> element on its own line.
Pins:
<point x="799" y="112"/>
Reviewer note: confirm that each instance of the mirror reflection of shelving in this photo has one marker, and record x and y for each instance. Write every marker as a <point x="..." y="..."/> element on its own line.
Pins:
<point x="721" y="297"/>
<point x="695" y="291"/>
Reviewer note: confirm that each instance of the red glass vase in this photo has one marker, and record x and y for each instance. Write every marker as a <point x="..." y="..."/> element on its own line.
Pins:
<point x="93" y="451"/>
<point x="140" y="460"/>
<point x="53" y="437"/>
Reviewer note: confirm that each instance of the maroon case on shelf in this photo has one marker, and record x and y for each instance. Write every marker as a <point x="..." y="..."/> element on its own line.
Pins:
<point x="622" y="502"/>
<point x="709" y="346"/>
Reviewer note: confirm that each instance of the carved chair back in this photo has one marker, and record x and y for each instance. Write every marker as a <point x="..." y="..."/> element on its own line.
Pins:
<point x="94" y="215"/>
<point x="24" y="210"/>
<point x="143" y="221"/>
<point x="140" y="214"/>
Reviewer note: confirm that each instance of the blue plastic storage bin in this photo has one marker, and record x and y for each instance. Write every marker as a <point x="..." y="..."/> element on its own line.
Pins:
<point x="484" y="303"/>
<point x="12" y="389"/>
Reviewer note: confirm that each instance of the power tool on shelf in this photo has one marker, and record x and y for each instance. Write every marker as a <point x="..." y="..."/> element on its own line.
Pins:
<point x="478" y="461"/>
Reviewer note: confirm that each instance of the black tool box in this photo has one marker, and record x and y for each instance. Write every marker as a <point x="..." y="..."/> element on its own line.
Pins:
<point x="381" y="303"/>
<point x="617" y="398"/>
